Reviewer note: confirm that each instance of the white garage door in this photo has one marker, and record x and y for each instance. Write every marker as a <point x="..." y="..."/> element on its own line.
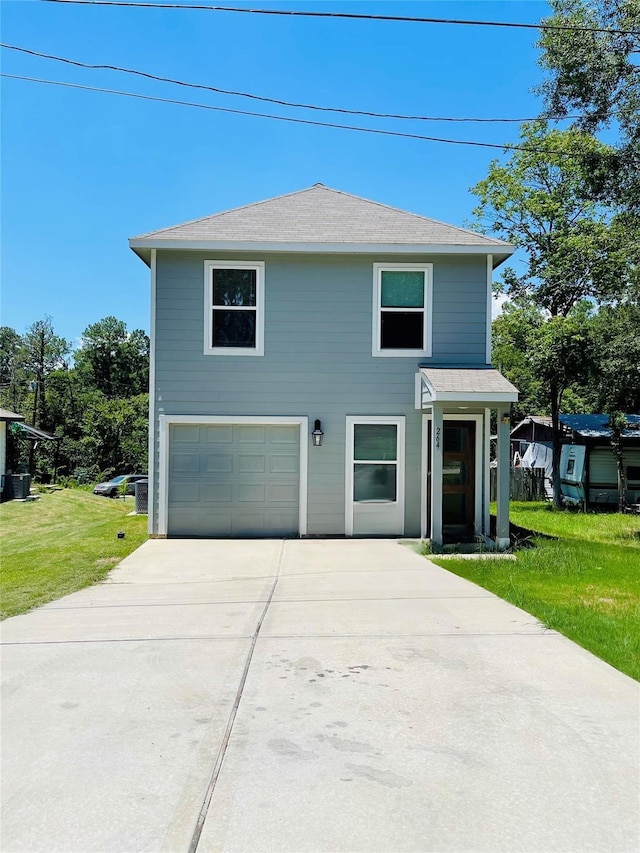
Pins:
<point x="233" y="480"/>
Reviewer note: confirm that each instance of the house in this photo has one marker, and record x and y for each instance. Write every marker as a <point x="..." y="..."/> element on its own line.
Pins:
<point x="533" y="429"/>
<point x="6" y="418"/>
<point x="320" y="366"/>
<point x="588" y="467"/>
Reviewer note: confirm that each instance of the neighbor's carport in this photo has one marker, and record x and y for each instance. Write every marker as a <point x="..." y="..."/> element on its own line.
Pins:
<point x="307" y="696"/>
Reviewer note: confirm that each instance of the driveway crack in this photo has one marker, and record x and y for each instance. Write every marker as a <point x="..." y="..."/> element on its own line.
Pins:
<point x="217" y="767"/>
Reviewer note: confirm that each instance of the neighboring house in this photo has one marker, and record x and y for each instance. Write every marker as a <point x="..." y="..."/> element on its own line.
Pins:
<point x="533" y="429"/>
<point x="588" y="467"/>
<point x="321" y="312"/>
<point x="6" y="417"/>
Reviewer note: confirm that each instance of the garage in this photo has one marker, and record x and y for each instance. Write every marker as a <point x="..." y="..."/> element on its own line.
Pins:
<point x="233" y="479"/>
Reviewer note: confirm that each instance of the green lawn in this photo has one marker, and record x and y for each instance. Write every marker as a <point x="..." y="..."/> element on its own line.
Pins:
<point x="585" y="585"/>
<point x="63" y="542"/>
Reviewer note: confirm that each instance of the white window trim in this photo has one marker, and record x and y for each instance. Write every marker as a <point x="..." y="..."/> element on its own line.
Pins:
<point x="166" y="421"/>
<point x="259" y="267"/>
<point x="376" y="350"/>
<point x="481" y="519"/>
<point x="352" y="420"/>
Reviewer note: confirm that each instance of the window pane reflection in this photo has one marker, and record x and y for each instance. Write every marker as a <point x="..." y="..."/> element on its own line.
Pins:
<point x="374" y="482"/>
<point x="234" y="287"/>
<point x="375" y="441"/>
<point x="234" y="328"/>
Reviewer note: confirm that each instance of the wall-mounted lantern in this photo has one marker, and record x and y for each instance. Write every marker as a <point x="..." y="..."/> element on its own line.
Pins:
<point x="317" y="434"/>
<point x="506" y="419"/>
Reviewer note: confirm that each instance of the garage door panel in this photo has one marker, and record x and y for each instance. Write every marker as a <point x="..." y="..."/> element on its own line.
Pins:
<point x="254" y="464"/>
<point x="249" y="434"/>
<point x="217" y="462"/>
<point x="285" y="435"/>
<point x="245" y="492"/>
<point x="219" y="433"/>
<point x="234" y="480"/>
<point x="185" y="463"/>
<point x="216" y="493"/>
<point x="268" y="523"/>
<point x="283" y="493"/>
<point x="183" y="492"/>
<point x="181" y="433"/>
<point x="284" y="464"/>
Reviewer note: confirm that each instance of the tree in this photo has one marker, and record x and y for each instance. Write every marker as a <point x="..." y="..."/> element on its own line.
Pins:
<point x="12" y="386"/>
<point x="113" y="361"/>
<point x="616" y="382"/>
<point x="538" y="201"/>
<point x="42" y="352"/>
<point x="561" y="357"/>
<point x="116" y="431"/>
<point x="596" y="75"/>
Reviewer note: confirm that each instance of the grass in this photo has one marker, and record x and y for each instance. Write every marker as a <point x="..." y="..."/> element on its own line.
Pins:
<point x="586" y="585"/>
<point x="58" y="544"/>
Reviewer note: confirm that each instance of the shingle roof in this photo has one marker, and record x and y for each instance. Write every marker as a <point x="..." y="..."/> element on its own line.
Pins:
<point x="322" y="215"/>
<point x="472" y="380"/>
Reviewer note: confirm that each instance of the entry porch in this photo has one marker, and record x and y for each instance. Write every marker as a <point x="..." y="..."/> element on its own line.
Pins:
<point x="457" y="405"/>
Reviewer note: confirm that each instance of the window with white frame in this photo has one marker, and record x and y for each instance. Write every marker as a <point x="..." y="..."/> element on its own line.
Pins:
<point x="375" y="462"/>
<point x="234" y="307"/>
<point x="402" y="309"/>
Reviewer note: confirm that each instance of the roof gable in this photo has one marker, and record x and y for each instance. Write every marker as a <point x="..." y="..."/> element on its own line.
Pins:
<point x="319" y="217"/>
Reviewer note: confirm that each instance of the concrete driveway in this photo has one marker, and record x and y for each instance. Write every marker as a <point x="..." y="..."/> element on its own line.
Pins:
<point x="308" y="696"/>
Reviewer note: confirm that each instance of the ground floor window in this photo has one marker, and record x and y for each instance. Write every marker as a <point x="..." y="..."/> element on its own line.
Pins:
<point x="374" y="503"/>
<point x="375" y="462"/>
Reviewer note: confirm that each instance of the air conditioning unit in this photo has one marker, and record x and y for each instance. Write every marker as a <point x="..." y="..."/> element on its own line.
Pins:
<point x="20" y="486"/>
<point x="142" y="497"/>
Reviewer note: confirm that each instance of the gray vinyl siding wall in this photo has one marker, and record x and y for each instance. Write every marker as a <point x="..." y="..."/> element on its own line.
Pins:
<point x="317" y="360"/>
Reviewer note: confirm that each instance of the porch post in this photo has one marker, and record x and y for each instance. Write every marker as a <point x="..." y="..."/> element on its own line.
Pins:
<point x="503" y="477"/>
<point x="437" y="438"/>
<point x="486" y="473"/>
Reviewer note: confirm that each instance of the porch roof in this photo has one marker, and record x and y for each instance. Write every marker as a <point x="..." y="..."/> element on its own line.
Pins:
<point x="471" y="385"/>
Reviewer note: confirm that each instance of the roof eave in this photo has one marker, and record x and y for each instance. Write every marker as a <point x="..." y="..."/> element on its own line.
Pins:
<point x="142" y="247"/>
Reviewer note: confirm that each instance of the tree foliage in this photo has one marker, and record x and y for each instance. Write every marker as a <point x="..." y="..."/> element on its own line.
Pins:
<point x="112" y="360"/>
<point x="579" y="257"/>
<point x="537" y="201"/>
<point x="596" y="75"/>
<point x="97" y="403"/>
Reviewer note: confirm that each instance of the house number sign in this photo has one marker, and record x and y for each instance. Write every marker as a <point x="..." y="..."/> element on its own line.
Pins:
<point x="438" y="437"/>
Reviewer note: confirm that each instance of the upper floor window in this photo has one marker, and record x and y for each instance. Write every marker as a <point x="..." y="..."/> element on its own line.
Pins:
<point x="234" y="307"/>
<point x="402" y="309"/>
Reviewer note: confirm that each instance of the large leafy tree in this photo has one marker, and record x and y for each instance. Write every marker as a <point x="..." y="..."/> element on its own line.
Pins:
<point x="594" y="77"/>
<point x="98" y="406"/>
<point x="112" y="360"/>
<point x="539" y="201"/>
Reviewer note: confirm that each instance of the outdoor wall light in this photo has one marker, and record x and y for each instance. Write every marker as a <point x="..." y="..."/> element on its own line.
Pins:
<point x="506" y="419"/>
<point x="317" y="434"/>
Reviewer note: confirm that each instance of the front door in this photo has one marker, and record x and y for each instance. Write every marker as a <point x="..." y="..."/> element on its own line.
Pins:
<point x="458" y="480"/>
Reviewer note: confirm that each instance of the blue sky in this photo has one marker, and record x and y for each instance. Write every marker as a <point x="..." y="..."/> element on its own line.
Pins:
<point x="83" y="171"/>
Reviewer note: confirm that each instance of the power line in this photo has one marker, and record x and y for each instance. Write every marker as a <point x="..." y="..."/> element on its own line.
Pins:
<point x="349" y="15"/>
<point x="371" y="130"/>
<point x="262" y="98"/>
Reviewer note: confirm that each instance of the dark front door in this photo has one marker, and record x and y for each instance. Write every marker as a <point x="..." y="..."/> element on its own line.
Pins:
<point x="458" y="480"/>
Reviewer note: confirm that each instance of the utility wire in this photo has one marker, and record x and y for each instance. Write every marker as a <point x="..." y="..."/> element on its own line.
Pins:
<point x="375" y="131"/>
<point x="254" y="97"/>
<point x="351" y="15"/>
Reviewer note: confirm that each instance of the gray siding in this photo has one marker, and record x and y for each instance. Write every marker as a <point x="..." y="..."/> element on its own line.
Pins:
<point x="317" y="361"/>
